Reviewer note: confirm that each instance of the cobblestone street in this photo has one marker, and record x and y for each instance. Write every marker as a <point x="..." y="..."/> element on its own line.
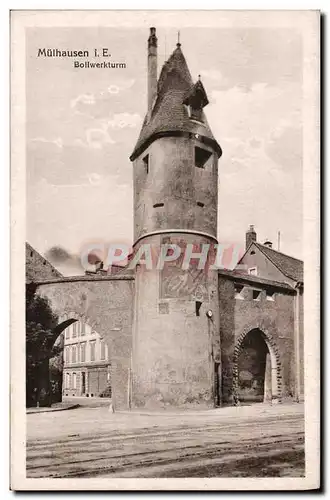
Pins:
<point x="248" y="441"/>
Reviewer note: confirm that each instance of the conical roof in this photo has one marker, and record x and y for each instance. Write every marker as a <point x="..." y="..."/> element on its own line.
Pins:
<point x="169" y="115"/>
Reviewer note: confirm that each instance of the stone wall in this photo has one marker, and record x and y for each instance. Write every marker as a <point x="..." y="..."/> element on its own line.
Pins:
<point x="173" y="181"/>
<point x="106" y="304"/>
<point x="275" y="318"/>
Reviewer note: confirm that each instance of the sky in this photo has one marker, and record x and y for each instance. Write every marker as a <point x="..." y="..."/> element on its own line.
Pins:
<point x="82" y="126"/>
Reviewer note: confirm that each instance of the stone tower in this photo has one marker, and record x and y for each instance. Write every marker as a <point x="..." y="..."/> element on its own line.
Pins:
<point x="176" y="339"/>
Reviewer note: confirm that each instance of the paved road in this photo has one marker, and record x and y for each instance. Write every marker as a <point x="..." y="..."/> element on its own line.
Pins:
<point x="255" y="441"/>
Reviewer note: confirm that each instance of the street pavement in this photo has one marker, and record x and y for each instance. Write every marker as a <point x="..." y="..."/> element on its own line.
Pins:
<point x="249" y="441"/>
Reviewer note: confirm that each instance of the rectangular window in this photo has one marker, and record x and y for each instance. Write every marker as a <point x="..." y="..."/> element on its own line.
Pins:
<point x="239" y="292"/>
<point x="198" y="306"/>
<point x="256" y="294"/>
<point x="83" y="352"/>
<point x="270" y="295"/>
<point x="67" y="355"/>
<point x="78" y="353"/>
<point x="82" y="331"/>
<point x="102" y="349"/>
<point x="74" y="380"/>
<point x="92" y="350"/>
<point x="196" y="113"/>
<point x="67" y="333"/>
<point x="67" y="379"/>
<point x="253" y="271"/>
<point x="74" y="329"/>
<point x="74" y="354"/>
<point x="201" y="157"/>
<point x="146" y="164"/>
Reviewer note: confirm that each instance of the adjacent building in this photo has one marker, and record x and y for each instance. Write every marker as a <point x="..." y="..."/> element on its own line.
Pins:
<point x="86" y="370"/>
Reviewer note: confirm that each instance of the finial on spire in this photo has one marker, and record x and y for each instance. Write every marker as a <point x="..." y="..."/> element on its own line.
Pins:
<point x="178" y="44"/>
<point x="199" y="77"/>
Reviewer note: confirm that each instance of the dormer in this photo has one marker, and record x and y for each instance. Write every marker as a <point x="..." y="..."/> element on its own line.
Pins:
<point x="195" y="101"/>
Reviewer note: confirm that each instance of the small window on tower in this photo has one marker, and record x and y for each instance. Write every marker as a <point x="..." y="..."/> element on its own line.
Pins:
<point x="198" y="306"/>
<point x="201" y="157"/>
<point x="256" y="294"/>
<point x="270" y="295"/>
<point x="196" y="113"/>
<point x="238" y="292"/>
<point x="200" y="204"/>
<point x="146" y="163"/>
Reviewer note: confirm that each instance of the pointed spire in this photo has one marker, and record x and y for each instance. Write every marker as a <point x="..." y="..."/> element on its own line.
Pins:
<point x="168" y="115"/>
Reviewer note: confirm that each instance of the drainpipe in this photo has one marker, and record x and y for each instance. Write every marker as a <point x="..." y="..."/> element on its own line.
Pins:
<point x="129" y="390"/>
<point x="297" y="341"/>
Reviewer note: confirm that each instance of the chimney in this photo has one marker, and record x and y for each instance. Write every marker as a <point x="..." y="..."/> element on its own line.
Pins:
<point x="152" y="68"/>
<point x="250" y="236"/>
<point x="268" y="244"/>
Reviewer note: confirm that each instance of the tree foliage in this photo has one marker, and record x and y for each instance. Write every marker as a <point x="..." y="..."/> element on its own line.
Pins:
<point x="40" y="338"/>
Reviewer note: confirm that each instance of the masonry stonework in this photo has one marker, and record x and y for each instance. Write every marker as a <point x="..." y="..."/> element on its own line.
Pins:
<point x="105" y="304"/>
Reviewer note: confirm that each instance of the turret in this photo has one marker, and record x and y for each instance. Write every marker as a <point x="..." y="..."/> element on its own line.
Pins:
<point x="175" y="170"/>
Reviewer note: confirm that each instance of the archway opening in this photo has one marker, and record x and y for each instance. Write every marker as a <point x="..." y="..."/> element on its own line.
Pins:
<point x="255" y="368"/>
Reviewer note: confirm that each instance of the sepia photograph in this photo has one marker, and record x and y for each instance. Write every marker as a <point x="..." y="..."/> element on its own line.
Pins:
<point x="165" y="250"/>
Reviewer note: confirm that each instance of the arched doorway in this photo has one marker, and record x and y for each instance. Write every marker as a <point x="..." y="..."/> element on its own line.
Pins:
<point x="256" y="369"/>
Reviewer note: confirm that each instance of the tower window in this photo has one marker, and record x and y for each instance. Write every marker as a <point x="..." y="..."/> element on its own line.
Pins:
<point x="157" y="205"/>
<point x="201" y="157"/>
<point x="256" y="294"/>
<point x="200" y="204"/>
<point x="196" y="113"/>
<point x="163" y="308"/>
<point x="270" y="295"/>
<point x="198" y="305"/>
<point x="238" y="291"/>
<point x="146" y="163"/>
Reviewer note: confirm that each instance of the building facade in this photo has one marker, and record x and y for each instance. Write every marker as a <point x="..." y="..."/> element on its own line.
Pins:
<point x="86" y="369"/>
<point x="176" y="336"/>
